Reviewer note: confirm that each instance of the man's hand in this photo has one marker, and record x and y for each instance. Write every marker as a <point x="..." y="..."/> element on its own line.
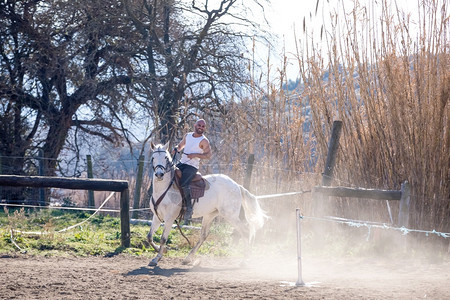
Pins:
<point x="206" y="155"/>
<point x="174" y="151"/>
<point x="193" y="155"/>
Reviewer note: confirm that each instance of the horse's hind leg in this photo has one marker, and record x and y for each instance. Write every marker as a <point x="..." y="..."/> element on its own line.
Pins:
<point x="206" y="225"/>
<point x="155" y="225"/>
<point x="162" y="247"/>
<point x="241" y="227"/>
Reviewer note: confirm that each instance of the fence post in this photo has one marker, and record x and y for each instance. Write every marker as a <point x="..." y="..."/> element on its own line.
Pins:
<point x="41" y="173"/>
<point x="327" y="174"/>
<point x="125" y="218"/>
<point x="1" y="172"/>
<point x="90" y="174"/>
<point x="248" y="176"/>
<point x="149" y="192"/>
<point x="137" y="191"/>
<point x="403" y="214"/>
<point x="247" y="180"/>
<point x="331" y="155"/>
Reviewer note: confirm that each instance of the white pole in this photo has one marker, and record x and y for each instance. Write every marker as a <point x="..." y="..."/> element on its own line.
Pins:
<point x="299" y="249"/>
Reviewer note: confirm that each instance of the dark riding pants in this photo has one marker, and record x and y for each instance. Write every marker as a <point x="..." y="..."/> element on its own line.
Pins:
<point x="187" y="174"/>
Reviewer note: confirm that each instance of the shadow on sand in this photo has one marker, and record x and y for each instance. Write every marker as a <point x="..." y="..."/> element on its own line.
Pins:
<point x="176" y="271"/>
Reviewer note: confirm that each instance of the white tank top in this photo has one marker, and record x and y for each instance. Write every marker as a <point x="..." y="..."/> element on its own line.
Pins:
<point x="192" y="146"/>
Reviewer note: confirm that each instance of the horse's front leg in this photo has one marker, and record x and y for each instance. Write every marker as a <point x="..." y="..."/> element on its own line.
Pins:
<point x="155" y="225"/>
<point x="162" y="247"/>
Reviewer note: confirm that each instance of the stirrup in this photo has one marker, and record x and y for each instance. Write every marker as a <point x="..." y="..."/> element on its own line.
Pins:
<point x="186" y="222"/>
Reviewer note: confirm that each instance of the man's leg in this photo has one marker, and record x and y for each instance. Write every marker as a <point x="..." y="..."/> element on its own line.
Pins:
<point x="187" y="173"/>
<point x="188" y="212"/>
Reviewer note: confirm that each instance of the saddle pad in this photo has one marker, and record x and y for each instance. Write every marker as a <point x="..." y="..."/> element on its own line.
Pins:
<point x="198" y="189"/>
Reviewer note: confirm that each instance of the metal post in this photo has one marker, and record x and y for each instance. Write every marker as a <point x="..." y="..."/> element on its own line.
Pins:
<point x="299" y="248"/>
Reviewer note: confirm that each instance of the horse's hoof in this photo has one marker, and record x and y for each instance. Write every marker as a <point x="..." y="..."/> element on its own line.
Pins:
<point x="191" y="261"/>
<point x="153" y="263"/>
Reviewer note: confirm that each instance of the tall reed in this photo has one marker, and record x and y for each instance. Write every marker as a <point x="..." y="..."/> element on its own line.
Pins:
<point x="391" y="90"/>
<point x="387" y="78"/>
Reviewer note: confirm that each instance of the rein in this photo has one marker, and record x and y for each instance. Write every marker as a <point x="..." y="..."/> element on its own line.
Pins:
<point x="155" y="204"/>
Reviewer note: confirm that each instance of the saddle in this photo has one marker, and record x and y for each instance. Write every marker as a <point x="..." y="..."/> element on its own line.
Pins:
<point x="198" y="184"/>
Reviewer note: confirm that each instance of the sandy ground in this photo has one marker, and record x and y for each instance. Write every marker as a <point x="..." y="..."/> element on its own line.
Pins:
<point x="127" y="277"/>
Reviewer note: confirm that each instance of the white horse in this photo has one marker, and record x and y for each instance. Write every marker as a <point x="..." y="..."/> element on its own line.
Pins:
<point x="224" y="197"/>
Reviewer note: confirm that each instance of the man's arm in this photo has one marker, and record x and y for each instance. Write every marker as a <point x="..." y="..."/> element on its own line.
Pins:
<point x="204" y="144"/>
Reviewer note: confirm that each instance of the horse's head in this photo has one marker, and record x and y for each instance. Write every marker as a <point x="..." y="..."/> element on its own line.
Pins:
<point x="161" y="160"/>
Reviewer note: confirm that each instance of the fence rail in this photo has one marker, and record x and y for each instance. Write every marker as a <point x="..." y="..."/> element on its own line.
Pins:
<point x="64" y="182"/>
<point x="358" y="192"/>
<point x="403" y="196"/>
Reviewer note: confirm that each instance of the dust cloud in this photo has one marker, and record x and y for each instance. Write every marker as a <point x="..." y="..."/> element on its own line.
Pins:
<point x="384" y="261"/>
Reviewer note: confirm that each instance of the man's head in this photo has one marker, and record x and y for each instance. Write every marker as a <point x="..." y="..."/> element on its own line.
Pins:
<point x="200" y="126"/>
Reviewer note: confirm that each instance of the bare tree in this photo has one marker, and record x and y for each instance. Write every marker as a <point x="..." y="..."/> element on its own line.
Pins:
<point x="63" y="64"/>
<point x="68" y="64"/>
<point x="193" y="56"/>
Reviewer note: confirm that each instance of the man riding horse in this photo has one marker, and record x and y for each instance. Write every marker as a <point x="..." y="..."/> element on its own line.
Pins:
<point x="196" y="147"/>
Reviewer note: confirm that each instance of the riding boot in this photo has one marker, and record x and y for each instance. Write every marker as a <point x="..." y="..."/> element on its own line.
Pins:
<point x="188" y="203"/>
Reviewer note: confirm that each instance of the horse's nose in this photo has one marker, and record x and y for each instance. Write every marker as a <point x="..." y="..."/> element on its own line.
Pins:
<point x="159" y="175"/>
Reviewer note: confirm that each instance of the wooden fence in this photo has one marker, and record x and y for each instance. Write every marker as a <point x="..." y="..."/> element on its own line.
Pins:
<point x="80" y="184"/>
<point x="403" y="196"/>
<point x="325" y="190"/>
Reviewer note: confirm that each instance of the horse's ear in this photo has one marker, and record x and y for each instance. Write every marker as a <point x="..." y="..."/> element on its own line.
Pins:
<point x="152" y="145"/>
<point x="166" y="146"/>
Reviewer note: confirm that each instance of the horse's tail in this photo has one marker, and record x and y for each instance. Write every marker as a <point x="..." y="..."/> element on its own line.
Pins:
<point x="254" y="214"/>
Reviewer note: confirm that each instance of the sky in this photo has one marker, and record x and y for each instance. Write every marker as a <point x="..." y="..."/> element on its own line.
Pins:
<point x="286" y="17"/>
<point x="286" y="21"/>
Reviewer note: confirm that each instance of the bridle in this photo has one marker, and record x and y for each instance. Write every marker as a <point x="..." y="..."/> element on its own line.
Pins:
<point x="167" y="168"/>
